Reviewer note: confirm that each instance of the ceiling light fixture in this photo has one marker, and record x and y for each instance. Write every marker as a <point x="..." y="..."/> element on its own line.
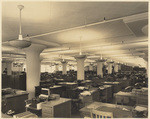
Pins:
<point x="20" y="43"/>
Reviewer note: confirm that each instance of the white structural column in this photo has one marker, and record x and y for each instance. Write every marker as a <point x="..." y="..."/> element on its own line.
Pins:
<point x="64" y="67"/>
<point x="91" y="67"/>
<point x="70" y="67"/>
<point x="86" y="68"/>
<point x="56" y="67"/>
<point x="9" y="67"/>
<point x="116" y="67"/>
<point x="119" y="66"/>
<point x="80" y="66"/>
<point x="33" y="64"/>
<point x="3" y="66"/>
<point x="110" y="64"/>
<point x="21" y="67"/>
<point x="100" y="64"/>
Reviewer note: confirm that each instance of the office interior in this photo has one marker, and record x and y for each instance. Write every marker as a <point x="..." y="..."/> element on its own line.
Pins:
<point x="80" y="59"/>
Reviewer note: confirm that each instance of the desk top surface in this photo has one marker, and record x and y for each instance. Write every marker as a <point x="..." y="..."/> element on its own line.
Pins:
<point x="105" y="87"/>
<point x="17" y="93"/>
<point x="112" y="83"/>
<point x="67" y="83"/>
<point x="119" y="111"/>
<point x="89" y="91"/>
<point x="56" y="101"/>
<point x="59" y="79"/>
<point x="55" y="86"/>
<point x="86" y="81"/>
<point x="130" y="94"/>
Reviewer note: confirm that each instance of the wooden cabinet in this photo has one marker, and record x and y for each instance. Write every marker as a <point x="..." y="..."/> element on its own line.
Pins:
<point x="105" y="93"/>
<point x="57" y="108"/>
<point x="88" y="99"/>
<point x="14" y="81"/>
<point x="14" y="102"/>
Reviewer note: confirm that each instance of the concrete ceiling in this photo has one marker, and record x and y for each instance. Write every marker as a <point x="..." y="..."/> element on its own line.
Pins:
<point x="69" y="24"/>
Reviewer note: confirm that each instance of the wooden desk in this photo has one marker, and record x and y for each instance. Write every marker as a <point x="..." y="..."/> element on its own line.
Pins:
<point x="137" y="98"/>
<point x="57" y="89"/>
<point x="116" y="86"/>
<point x="68" y="85"/>
<point x="14" y="102"/>
<point x="88" y="99"/>
<point x="141" y="111"/>
<point x="106" y="93"/>
<point x="86" y="83"/>
<point x="57" y="108"/>
<point x="36" y="111"/>
<point x="124" y="82"/>
<point x="119" y="111"/>
<point x="58" y="81"/>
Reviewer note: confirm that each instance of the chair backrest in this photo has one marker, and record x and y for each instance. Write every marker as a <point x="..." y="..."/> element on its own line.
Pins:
<point x="101" y="114"/>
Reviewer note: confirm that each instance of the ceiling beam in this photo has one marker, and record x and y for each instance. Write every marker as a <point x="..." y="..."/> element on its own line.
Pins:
<point x="126" y="19"/>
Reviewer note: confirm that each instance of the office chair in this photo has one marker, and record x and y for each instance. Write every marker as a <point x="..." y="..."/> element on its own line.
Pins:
<point x="28" y="103"/>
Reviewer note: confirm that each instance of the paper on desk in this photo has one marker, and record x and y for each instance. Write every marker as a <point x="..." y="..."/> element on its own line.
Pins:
<point x="123" y="93"/>
<point x="140" y="108"/>
<point x="101" y="87"/>
<point x="88" y="80"/>
<point x="85" y="93"/>
<point x="115" y="82"/>
<point x="70" y="83"/>
<point x="81" y="87"/>
<point x="107" y="86"/>
<point x="125" y="109"/>
<point x="55" y="86"/>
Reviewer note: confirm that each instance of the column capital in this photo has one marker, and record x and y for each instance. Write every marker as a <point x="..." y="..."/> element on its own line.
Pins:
<point x="35" y="48"/>
<point x="101" y="60"/>
<point x="64" y="62"/>
<point x="91" y="64"/>
<point x="111" y="62"/>
<point x="80" y="56"/>
<point x="117" y="63"/>
<point x="56" y="64"/>
<point x="70" y="64"/>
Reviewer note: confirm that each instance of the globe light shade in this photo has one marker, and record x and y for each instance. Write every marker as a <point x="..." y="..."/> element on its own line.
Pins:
<point x="20" y="43"/>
